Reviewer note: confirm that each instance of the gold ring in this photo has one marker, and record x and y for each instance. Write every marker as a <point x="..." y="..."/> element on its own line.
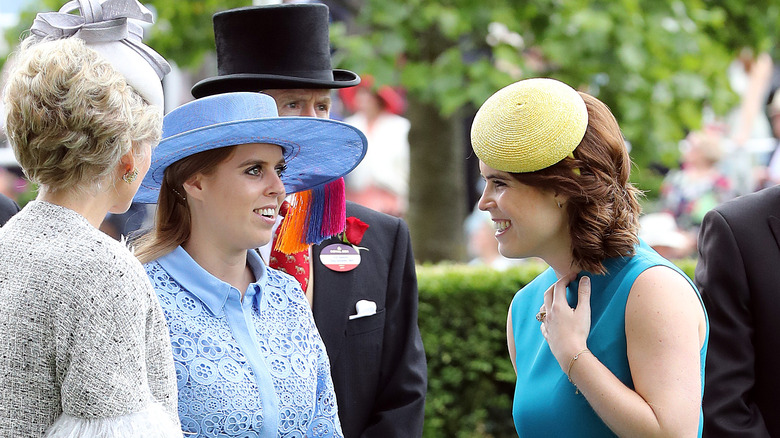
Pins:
<point x="541" y="315"/>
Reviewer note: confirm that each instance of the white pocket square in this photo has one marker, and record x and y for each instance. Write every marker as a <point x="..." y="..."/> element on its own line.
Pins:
<point x="364" y="308"/>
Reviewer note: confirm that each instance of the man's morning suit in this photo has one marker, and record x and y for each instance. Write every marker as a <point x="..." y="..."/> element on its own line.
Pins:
<point x="738" y="274"/>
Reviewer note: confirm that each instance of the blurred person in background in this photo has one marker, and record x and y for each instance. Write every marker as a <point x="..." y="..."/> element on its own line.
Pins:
<point x="611" y="339"/>
<point x="739" y="252"/>
<point x="12" y="181"/>
<point x="482" y="244"/>
<point x="747" y="127"/>
<point x="770" y="175"/>
<point x="381" y="181"/>
<point x="8" y="180"/>
<point x="8" y="208"/>
<point x="660" y="231"/>
<point x="750" y="77"/>
<point x="367" y="315"/>
<point x="85" y="349"/>
<point x="698" y="186"/>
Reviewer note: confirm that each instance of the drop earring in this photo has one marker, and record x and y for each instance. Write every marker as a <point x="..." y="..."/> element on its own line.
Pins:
<point x="130" y="176"/>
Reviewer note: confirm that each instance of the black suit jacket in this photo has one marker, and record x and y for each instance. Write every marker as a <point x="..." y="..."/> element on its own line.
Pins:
<point x="738" y="274"/>
<point x="377" y="362"/>
<point x="8" y="208"/>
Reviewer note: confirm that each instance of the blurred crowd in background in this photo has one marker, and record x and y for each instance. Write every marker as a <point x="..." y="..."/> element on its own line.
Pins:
<point x="726" y="158"/>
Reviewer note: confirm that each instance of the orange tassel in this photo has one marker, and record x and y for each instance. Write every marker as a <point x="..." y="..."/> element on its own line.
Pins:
<point x="292" y="234"/>
<point x="314" y="215"/>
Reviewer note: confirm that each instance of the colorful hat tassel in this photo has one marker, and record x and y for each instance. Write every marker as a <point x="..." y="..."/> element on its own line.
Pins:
<point x="335" y="209"/>
<point x="313" y="216"/>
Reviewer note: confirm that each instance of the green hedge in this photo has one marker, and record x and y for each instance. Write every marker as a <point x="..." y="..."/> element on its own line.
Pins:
<point x="462" y="317"/>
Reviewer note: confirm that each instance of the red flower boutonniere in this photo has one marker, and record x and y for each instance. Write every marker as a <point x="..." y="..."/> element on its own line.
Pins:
<point x="354" y="232"/>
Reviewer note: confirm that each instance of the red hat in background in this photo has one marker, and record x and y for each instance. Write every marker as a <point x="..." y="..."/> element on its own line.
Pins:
<point x="392" y="99"/>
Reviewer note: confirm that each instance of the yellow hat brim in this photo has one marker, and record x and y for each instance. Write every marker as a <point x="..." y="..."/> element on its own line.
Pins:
<point x="529" y="125"/>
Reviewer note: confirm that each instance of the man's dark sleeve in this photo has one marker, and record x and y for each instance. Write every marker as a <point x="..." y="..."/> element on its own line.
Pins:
<point x="8" y="208"/>
<point x="730" y="377"/>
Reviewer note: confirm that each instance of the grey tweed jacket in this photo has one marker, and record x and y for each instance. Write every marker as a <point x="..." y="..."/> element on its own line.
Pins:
<point x="82" y="333"/>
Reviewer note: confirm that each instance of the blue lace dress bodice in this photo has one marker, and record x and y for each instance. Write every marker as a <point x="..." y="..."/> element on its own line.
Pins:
<point x="251" y="367"/>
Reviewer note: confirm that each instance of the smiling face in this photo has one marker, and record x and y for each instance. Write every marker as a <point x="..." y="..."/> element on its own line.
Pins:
<point x="235" y="206"/>
<point x="527" y="220"/>
<point x="302" y="102"/>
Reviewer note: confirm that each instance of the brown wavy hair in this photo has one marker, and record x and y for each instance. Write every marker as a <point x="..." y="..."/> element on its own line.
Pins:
<point x="173" y="220"/>
<point x="603" y="206"/>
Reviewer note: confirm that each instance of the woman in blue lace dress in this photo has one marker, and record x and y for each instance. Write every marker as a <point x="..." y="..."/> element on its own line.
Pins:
<point x="249" y="360"/>
<point x="611" y="339"/>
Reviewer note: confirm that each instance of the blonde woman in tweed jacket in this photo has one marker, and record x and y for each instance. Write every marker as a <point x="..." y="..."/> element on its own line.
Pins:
<point x="85" y="350"/>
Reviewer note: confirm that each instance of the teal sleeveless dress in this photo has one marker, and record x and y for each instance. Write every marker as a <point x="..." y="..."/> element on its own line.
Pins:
<point x="545" y="403"/>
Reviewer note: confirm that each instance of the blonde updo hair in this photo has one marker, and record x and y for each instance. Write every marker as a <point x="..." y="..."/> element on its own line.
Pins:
<point x="70" y="116"/>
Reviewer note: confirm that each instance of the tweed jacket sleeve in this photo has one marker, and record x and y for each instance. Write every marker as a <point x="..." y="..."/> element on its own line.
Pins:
<point x="111" y="347"/>
<point x="114" y="359"/>
<point x="86" y="350"/>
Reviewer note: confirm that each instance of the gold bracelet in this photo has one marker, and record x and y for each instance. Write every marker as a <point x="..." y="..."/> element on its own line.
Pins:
<point x="571" y="362"/>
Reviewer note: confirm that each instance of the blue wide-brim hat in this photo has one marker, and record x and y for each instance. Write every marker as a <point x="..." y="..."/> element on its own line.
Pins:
<point x="317" y="151"/>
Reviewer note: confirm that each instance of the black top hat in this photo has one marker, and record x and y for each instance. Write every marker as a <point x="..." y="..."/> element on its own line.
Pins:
<point x="273" y="46"/>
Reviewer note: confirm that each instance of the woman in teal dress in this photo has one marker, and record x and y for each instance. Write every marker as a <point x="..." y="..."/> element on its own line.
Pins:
<point x="611" y="339"/>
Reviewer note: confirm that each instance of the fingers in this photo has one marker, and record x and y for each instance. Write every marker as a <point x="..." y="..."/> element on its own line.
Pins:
<point x="548" y="298"/>
<point x="558" y="295"/>
<point x="583" y="296"/>
<point x="555" y="296"/>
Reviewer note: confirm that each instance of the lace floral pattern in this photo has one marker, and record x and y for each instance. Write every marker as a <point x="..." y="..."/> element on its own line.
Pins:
<point x="220" y="391"/>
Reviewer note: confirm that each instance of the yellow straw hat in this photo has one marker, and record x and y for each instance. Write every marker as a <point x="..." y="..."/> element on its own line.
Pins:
<point x="529" y="125"/>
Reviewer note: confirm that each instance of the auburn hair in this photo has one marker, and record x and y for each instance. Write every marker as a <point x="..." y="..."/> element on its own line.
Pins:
<point x="602" y="206"/>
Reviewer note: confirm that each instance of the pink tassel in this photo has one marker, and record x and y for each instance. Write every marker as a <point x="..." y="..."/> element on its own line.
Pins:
<point x="313" y="216"/>
<point x="335" y="211"/>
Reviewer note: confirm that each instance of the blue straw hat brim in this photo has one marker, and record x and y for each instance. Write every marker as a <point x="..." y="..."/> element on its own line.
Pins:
<point x="316" y="151"/>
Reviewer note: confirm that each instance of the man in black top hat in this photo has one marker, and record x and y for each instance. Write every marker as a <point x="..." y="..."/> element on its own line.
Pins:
<point x="377" y="359"/>
<point x="8" y="208"/>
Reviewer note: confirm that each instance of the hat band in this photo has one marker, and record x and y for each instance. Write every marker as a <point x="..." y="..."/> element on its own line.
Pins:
<point x="320" y="75"/>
